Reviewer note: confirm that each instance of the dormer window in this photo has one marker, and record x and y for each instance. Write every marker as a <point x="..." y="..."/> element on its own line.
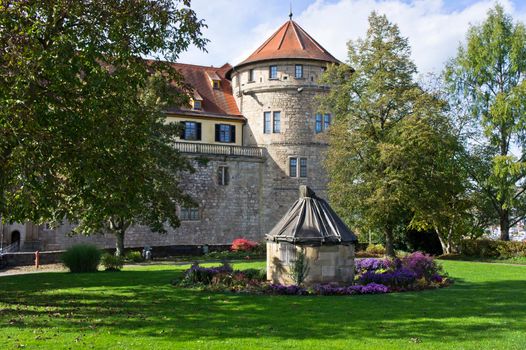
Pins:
<point x="214" y="79"/>
<point x="196" y="101"/>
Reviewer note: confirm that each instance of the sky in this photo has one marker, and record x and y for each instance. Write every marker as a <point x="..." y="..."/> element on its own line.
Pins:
<point x="435" y="28"/>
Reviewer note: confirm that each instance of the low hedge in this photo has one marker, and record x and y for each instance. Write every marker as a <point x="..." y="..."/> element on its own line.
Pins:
<point x="487" y="248"/>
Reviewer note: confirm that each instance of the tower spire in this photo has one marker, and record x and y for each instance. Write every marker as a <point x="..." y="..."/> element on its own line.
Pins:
<point x="290" y="11"/>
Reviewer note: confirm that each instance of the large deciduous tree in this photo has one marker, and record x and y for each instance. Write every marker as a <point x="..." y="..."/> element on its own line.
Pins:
<point x="488" y="75"/>
<point x="82" y="135"/>
<point x="388" y="138"/>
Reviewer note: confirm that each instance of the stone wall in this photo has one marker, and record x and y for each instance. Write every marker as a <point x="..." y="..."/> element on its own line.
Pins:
<point x="326" y="263"/>
<point x="226" y="212"/>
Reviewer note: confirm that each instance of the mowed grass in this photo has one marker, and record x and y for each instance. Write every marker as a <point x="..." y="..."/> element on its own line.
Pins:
<point x="139" y="309"/>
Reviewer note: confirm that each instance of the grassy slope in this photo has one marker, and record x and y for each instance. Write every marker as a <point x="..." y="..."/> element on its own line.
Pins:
<point x="137" y="308"/>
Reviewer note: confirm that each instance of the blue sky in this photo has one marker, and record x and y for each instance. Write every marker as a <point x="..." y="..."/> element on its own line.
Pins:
<point x="435" y="28"/>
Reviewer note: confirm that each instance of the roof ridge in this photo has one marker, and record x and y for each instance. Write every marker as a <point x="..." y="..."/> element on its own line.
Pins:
<point x="294" y="24"/>
<point x="197" y="65"/>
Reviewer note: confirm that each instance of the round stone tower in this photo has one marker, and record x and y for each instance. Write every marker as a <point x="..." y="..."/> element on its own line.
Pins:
<point x="275" y="89"/>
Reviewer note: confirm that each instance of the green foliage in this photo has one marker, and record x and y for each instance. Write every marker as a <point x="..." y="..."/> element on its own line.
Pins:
<point x="112" y="262"/>
<point x="488" y="77"/>
<point x="299" y="268"/>
<point x="390" y="140"/>
<point x="82" y="258"/>
<point x="82" y="133"/>
<point x="255" y="274"/>
<point x="134" y="256"/>
<point x="485" y="248"/>
<point x="375" y="249"/>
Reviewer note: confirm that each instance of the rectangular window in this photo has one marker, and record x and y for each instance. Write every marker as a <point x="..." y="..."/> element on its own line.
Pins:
<point x="326" y="121"/>
<point x="222" y="176"/>
<point x="298" y="71"/>
<point x="319" y="123"/>
<point x="251" y="75"/>
<point x="266" y="122"/>
<point x="216" y="84"/>
<point x="276" y="126"/>
<point x="225" y="133"/>
<point x="273" y="72"/>
<point x="293" y="167"/>
<point x="192" y="131"/>
<point x="189" y="214"/>
<point x="303" y="167"/>
<point x="197" y="105"/>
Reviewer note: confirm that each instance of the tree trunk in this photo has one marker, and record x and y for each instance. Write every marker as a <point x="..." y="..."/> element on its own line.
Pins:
<point x="445" y="242"/>
<point x="389" y="248"/>
<point x="119" y="243"/>
<point x="504" y="225"/>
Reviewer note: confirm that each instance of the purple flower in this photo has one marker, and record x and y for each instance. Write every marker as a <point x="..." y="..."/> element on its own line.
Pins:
<point x="332" y="289"/>
<point x="372" y="264"/>
<point x="398" y="278"/>
<point x="421" y="264"/>
<point x="281" y="289"/>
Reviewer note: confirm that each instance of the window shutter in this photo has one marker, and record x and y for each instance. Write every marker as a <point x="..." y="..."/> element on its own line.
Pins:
<point x="183" y="131"/>
<point x="198" y="131"/>
<point x="233" y="134"/>
<point x="217" y="132"/>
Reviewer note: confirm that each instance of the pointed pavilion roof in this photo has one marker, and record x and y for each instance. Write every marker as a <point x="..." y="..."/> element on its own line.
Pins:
<point x="311" y="221"/>
<point x="290" y="41"/>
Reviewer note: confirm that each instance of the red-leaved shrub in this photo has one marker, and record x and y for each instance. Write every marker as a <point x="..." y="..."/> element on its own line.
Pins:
<point x="243" y="244"/>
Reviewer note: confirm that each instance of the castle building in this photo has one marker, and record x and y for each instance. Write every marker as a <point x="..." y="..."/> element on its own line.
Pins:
<point x="254" y="133"/>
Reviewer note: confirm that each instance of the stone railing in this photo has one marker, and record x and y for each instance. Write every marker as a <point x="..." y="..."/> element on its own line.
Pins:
<point x="227" y="150"/>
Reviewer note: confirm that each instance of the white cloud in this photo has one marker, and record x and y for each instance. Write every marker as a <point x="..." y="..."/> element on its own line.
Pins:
<point x="237" y="27"/>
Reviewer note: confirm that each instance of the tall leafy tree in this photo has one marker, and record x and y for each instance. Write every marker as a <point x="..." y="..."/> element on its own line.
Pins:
<point x="82" y="135"/>
<point x="488" y="76"/>
<point x="387" y="137"/>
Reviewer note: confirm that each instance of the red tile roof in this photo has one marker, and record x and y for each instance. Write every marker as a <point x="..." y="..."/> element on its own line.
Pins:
<point x="290" y="41"/>
<point x="215" y="102"/>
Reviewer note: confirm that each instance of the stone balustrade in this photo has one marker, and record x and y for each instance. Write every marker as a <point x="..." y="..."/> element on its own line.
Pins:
<point x="227" y="150"/>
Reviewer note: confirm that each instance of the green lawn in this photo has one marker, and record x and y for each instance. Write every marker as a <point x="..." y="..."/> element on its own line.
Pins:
<point x="138" y="308"/>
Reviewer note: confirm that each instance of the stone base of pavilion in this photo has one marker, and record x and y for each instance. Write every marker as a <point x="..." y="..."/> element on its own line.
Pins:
<point x="326" y="263"/>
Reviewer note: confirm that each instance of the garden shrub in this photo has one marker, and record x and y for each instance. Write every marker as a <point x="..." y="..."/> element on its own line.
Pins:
<point x="413" y="271"/>
<point x="112" y="262"/>
<point x="486" y="248"/>
<point x="256" y="274"/>
<point x="375" y="249"/>
<point x="423" y="265"/>
<point x="372" y="264"/>
<point x="203" y="275"/>
<point x="82" y="258"/>
<point x="134" y="256"/>
<point x="242" y="244"/>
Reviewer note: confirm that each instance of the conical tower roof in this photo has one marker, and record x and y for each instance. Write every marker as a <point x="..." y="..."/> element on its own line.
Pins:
<point x="290" y="41"/>
<point x="311" y="221"/>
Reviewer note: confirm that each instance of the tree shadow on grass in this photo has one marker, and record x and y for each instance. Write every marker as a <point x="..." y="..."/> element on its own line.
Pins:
<point x="142" y="303"/>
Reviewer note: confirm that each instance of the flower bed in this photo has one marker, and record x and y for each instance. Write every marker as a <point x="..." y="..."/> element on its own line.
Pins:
<point x="416" y="271"/>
